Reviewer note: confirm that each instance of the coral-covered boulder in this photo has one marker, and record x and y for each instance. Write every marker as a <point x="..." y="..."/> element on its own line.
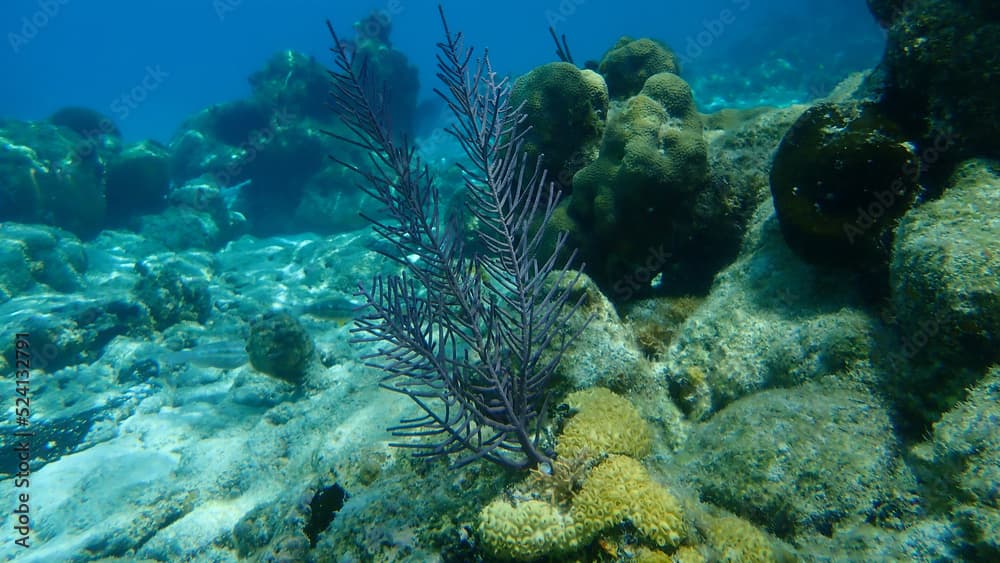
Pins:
<point x="842" y="177"/>
<point x="963" y="457"/>
<point x="388" y="66"/>
<point x="797" y="461"/>
<point x="52" y="175"/>
<point x="272" y="153"/>
<point x="945" y="268"/>
<point x="33" y="255"/>
<point x="170" y="297"/>
<point x="631" y="62"/>
<point x="630" y="203"/>
<point x="85" y="122"/>
<point x="941" y="68"/>
<point x="219" y="141"/>
<point x="137" y="180"/>
<point x="200" y="215"/>
<point x="566" y="108"/>
<point x="295" y="82"/>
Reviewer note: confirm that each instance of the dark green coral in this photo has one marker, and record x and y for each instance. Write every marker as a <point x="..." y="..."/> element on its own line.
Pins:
<point x="631" y="62"/>
<point x="841" y="178"/>
<point x="280" y="346"/>
<point x="629" y="203"/>
<point x="565" y="108"/>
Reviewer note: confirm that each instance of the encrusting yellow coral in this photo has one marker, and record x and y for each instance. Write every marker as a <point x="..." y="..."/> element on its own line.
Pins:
<point x="526" y="531"/>
<point x="604" y="485"/>
<point x="737" y="541"/>
<point x="620" y="489"/>
<point x="605" y="424"/>
<point x="616" y="490"/>
<point x="646" y="555"/>
<point x="687" y="554"/>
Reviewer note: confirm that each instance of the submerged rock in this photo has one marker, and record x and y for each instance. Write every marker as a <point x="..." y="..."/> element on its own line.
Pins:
<point x="945" y="269"/>
<point x="799" y="461"/>
<point x="946" y="295"/>
<point x="771" y="320"/>
<point x="842" y="176"/>
<point x="52" y="175"/>
<point x="32" y="255"/>
<point x="941" y="68"/>
<point x="170" y="296"/>
<point x="137" y="181"/>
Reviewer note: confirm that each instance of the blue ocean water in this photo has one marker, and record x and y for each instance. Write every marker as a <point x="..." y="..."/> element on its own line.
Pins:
<point x="721" y="283"/>
<point x="196" y="53"/>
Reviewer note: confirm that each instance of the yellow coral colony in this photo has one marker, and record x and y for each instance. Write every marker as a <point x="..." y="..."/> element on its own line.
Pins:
<point x="738" y="541"/>
<point x="605" y="423"/>
<point x="618" y="489"/>
<point x="529" y="530"/>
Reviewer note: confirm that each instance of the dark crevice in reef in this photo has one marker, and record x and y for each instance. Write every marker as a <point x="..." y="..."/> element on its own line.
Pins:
<point x="323" y="508"/>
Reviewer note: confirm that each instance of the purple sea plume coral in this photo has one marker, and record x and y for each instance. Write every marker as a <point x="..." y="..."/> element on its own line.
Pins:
<point x="473" y="338"/>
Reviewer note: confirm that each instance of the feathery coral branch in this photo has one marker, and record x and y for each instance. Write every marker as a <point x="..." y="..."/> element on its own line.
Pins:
<point x="466" y="347"/>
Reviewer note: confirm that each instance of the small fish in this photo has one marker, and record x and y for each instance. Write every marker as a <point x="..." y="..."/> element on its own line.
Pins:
<point x="222" y="354"/>
<point x="340" y="309"/>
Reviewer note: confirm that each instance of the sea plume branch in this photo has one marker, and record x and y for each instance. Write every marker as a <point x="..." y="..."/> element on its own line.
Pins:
<point x="471" y="338"/>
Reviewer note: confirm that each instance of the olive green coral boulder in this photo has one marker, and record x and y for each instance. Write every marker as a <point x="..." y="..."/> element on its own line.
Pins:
<point x="565" y="107"/>
<point x="631" y="62"/>
<point x="280" y="346"/>
<point x="798" y="461"/>
<point x="841" y="178"/>
<point x="634" y="199"/>
<point x="940" y="68"/>
<point x="944" y="271"/>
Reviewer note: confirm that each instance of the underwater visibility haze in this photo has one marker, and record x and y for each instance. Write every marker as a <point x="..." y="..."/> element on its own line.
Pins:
<point x="542" y="281"/>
